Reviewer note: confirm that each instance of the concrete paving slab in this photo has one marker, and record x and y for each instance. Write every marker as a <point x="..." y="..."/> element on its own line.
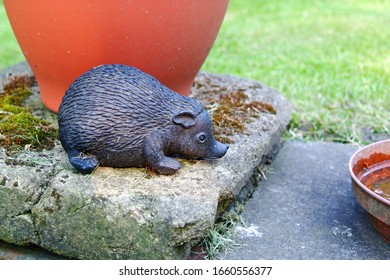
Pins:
<point x="306" y="209"/>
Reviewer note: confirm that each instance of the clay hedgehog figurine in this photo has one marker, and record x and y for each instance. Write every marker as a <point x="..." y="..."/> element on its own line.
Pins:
<point x="116" y="115"/>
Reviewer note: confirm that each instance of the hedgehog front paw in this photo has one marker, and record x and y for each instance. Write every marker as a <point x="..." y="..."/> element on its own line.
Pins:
<point x="84" y="164"/>
<point x="168" y="166"/>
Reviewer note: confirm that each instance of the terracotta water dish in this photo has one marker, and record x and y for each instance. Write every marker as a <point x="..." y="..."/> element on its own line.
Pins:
<point x="370" y="171"/>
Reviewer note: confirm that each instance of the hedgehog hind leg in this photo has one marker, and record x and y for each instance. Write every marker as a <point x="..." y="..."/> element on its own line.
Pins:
<point x="83" y="163"/>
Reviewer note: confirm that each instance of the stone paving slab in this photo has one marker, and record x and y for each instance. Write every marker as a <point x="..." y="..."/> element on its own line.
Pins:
<point x="306" y="209"/>
<point x="15" y="252"/>
<point x="128" y="213"/>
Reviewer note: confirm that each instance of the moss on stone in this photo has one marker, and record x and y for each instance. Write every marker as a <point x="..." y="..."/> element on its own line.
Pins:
<point x="232" y="111"/>
<point x="18" y="127"/>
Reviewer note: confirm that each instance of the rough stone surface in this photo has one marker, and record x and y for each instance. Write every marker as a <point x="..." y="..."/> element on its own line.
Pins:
<point x="306" y="210"/>
<point x="129" y="213"/>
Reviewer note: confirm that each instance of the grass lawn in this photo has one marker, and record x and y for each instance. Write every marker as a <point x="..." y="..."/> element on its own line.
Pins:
<point x="10" y="52"/>
<point x="331" y="59"/>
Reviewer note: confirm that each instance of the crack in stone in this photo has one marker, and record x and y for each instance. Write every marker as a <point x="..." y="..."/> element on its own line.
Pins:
<point x="42" y="189"/>
<point x="44" y="186"/>
<point x="72" y="212"/>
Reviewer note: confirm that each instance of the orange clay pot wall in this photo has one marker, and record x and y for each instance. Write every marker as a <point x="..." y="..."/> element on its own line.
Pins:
<point x="62" y="39"/>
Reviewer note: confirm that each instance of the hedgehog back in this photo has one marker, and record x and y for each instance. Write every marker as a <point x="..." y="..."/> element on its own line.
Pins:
<point x="117" y="103"/>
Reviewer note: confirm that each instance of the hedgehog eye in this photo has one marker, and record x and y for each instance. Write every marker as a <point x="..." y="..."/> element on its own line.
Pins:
<point x="202" y="137"/>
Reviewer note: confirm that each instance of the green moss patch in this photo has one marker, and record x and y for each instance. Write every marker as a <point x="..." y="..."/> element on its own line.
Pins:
<point x="18" y="127"/>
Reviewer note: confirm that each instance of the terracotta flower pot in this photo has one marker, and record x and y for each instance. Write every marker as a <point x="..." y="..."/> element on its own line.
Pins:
<point x="62" y="39"/>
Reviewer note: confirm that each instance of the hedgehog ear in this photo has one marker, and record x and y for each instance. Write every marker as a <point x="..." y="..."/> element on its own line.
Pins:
<point x="185" y="119"/>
